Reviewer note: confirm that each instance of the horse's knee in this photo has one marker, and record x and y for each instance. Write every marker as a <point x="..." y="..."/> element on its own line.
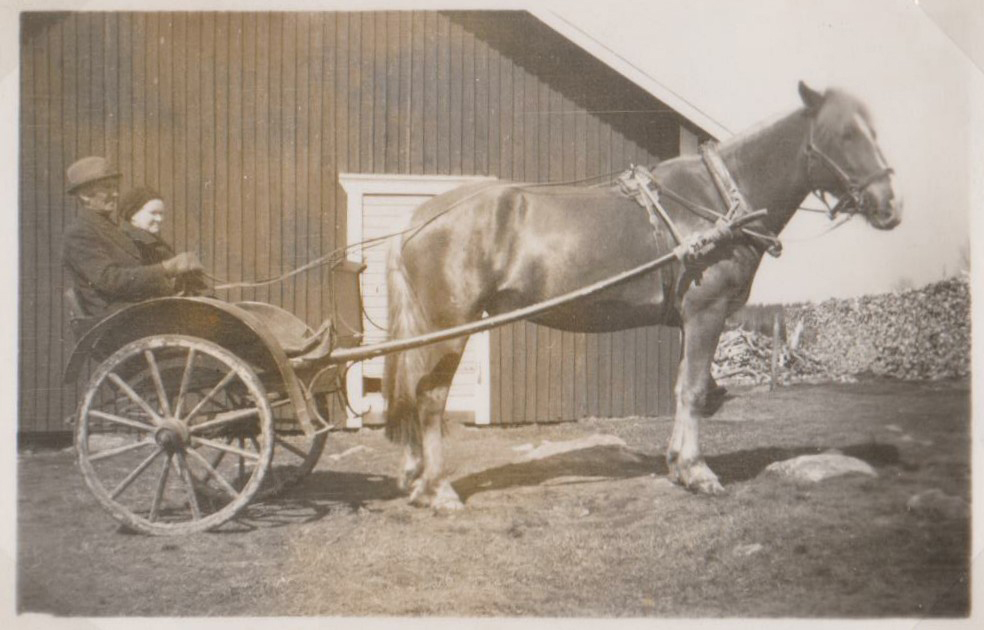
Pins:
<point x="703" y="398"/>
<point x="692" y="396"/>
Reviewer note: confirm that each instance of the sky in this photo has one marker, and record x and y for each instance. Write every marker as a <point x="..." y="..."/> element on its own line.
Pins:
<point x="739" y="63"/>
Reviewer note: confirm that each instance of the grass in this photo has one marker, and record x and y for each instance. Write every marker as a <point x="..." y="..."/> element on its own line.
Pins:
<point x="592" y="533"/>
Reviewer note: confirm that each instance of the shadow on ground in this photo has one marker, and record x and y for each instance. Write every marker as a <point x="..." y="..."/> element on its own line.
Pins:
<point x="325" y="493"/>
<point x="321" y="494"/>
<point x="618" y="462"/>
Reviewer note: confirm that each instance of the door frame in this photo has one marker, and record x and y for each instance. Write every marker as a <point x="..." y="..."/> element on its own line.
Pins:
<point x="357" y="187"/>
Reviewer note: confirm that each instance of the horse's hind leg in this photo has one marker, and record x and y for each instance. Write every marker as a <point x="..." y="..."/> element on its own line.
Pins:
<point x="431" y="488"/>
<point x="701" y="332"/>
<point x="411" y="466"/>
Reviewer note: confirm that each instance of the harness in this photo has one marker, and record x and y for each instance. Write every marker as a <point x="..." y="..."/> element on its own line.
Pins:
<point x="851" y="199"/>
<point x="692" y="251"/>
<point x="637" y="182"/>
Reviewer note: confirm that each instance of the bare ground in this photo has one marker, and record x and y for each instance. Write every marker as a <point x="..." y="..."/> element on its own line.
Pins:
<point x="590" y="532"/>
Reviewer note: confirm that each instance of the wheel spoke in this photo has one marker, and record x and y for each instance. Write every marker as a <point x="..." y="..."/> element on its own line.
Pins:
<point x="155" y="506"/>
<point x="185" y="379"/>
<point x="158" y="383"/>
<point x="196" y="511"/>
<point x="223" y="418"/>
<point x="290" y="447"/>
<point x="242" y="461"/>
<point x="220" y="455"/>
<point x="214" y="474"/>
<point x="119" y="450"/>
<point x="198" y="441"/>
<point x="215" y="390"/>
<point x="132" y="395"/>
<point x="136" y="472"/>
<point x="136" y="424"/>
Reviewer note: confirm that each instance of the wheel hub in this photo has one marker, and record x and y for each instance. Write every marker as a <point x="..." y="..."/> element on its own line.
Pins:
<point x="172" y="435"/>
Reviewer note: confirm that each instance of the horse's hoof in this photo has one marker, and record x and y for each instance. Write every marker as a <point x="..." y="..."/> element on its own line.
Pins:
<point x="447" y="500"/>
<point x="447" y="505"/>
<point x="406" y="482"/>
<point x="418" y="494"/>
<point x="698" y="478"/>
<point x="711" y="488"/>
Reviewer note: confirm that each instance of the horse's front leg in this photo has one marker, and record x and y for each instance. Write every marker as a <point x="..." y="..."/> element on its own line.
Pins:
<point x="701" y="331"/>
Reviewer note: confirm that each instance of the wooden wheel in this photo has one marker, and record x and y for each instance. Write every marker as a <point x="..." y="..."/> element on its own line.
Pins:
<point x="174" y="434"/>
<point x="295" y="456"/>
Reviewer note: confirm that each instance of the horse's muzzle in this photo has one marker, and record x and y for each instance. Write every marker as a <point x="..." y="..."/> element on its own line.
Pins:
<point x="885" y="217"/>
<point x="882" y="208"/>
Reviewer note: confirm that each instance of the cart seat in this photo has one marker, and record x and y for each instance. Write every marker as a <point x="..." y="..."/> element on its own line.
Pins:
<point x="293" y="335"/>
<point x="78" y="320"/>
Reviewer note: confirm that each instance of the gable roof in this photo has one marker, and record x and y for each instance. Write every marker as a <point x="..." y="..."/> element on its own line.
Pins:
<point x="632" y="72"/>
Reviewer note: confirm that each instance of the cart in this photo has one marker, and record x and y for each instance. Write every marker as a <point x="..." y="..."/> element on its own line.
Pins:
<point x="193" y="408"/>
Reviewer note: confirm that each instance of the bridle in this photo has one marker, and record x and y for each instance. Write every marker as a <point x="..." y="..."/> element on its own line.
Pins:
<point x="851" y="198"/>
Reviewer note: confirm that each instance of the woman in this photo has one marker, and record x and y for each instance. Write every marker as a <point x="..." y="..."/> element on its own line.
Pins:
<point x="140" y="214"/>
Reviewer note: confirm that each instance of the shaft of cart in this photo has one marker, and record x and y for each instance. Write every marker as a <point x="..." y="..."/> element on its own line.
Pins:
<point x="361" y="353"/>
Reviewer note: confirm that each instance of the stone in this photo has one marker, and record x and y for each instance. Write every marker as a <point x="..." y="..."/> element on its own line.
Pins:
<point x="816" y="468"/>
<point x="548" y="449"/>
<point x="938" y="504"/>
<point x="746" y="550"/>
<point x="351" y="451"/>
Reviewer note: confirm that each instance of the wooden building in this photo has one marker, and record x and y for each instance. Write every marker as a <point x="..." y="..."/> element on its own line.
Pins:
<point x="277" y="137"/>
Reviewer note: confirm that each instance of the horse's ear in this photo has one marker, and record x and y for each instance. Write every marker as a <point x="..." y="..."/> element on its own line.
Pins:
<point x="811" y="98"/>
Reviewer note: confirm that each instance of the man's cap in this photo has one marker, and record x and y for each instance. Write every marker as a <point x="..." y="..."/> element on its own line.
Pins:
<point x="88" y="170"/>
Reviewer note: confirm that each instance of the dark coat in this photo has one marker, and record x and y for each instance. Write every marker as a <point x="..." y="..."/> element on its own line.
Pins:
<point x="153" y="249"/>
<point x="107" y="267"/>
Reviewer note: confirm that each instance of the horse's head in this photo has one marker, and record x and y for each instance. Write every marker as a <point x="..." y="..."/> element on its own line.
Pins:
<point x="843" y="158"/>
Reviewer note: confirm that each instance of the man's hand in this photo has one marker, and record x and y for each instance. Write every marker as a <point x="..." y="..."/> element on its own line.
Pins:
<point x="185" y="262"/>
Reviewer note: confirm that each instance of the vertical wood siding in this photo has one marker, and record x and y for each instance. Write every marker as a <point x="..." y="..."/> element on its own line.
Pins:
<point x="244" y="120"/>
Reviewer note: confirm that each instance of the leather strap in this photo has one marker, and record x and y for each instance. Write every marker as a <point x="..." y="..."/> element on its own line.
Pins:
<point x="731" y="195"/>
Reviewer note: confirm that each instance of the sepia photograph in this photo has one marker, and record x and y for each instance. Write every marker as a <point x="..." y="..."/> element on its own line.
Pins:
<point x="491" y="312"/>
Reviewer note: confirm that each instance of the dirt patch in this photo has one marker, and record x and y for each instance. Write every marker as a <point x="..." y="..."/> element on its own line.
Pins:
<point x="595" y="531"/>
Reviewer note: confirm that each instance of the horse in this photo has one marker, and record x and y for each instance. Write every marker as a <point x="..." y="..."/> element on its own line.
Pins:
<point x="492" y="247"/>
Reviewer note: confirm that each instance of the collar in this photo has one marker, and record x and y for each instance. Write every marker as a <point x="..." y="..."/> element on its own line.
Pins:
<point x="734" y="199"/>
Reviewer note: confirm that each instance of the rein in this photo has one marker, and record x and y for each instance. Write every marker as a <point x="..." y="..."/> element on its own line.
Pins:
<point x="335" y="255"/>
<point x="850" y="202"/>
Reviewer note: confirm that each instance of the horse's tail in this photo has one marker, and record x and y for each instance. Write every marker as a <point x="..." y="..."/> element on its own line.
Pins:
<point x="403" y="370"/>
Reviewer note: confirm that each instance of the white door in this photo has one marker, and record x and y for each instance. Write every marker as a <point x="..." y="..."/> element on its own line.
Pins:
<point x="384" y="206"/>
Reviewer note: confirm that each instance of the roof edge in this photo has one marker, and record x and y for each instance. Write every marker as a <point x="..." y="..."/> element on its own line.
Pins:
<point x="631" y="72"/>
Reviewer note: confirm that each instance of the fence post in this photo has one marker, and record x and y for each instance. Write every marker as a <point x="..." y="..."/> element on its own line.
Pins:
<point x="775" y="351"/>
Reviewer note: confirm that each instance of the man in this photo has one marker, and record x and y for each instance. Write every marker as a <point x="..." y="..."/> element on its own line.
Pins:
<point x="104" y="264"/>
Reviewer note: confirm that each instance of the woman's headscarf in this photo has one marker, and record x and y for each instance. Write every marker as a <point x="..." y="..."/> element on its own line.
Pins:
<point x="134" y="199"/>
